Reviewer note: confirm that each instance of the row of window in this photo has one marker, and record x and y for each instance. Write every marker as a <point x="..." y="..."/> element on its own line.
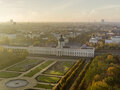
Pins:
<point x="60" y="53"/>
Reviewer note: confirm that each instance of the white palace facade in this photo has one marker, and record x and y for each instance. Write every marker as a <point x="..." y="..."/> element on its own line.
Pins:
<point x="60" y="50"/>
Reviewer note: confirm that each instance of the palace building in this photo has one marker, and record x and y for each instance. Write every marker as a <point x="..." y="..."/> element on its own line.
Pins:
<point x="62" y="49"/>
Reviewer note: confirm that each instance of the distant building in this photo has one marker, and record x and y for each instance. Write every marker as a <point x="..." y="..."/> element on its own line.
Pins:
<point x="110" y="34"/>
<point x="11" y="21"/>
<point x="98" y="37"/>
<point x="102" y="20"/>
<point x="74" y="34"/>
<point x="114" y="39"/>
<point x="93" y="40"/>
<point x="60" y="50"/>
<point x="32" y="35"/>
<point x="117" y="32"/>
<point x="107" y="41"/>
<point x="9" y="36"/>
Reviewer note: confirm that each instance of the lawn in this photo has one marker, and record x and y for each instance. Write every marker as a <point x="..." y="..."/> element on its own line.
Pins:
<point x="5" y="74"/>
<point x="38" y="69"/>
<point x="60" y="68"/>
<point x="47" y="79"/>
<point x="25" y="65"/>
<point x="44" y="86"/>
<point x="4" y="63"/>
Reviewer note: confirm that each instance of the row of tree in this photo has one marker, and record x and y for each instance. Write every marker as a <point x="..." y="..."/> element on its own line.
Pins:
<point x="69" y="76"/>
<point x="77" y="82"/>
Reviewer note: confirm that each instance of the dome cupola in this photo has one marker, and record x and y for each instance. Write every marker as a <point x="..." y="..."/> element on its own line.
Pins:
<point x="61" y="39"/>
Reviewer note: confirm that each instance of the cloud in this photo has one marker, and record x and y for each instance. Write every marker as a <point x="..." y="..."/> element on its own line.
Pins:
<point x="69" y="10"/>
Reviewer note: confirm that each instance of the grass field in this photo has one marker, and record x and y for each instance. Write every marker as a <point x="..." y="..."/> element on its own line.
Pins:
<point x="60" y="68"/>
<point x="5" y="74"/>
<point x="38" y="69"/>
<point x="47" y="79"/>
<point x="44" y="86"/>
<point x="25" y="65"/>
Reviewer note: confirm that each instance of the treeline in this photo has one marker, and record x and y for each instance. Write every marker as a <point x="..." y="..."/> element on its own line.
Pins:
<point x="77" y="82"/>
<point x="26" y="40"/>
<point x="111" y="46"/>
<point x="101" y="45"/>
<point x="9" y="56"/>
<point x="70" y="76"/>
<point x="103" y="74"/>
<point x="80" y="38"/>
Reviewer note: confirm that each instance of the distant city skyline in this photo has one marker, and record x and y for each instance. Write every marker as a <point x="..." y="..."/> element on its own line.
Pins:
<point x="60" y="10"/>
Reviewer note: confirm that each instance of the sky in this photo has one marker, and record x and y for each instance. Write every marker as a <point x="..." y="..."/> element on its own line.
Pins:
<point x="59" y="10"/>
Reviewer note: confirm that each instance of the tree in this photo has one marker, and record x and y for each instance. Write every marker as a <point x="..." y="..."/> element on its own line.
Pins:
<point x="36" y="43"/>
<point x="110" y="57"/>
<point x="113" y="71"/>
<point x="97" y="77"/>
<point x="1" y="49"/>
<point x="100" y="44"/>
<point x="109" y="80"/>
<point x="99" y="86"/>
<point x="118" y="59"/>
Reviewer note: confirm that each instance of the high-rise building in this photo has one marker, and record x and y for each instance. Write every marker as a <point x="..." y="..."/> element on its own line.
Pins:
<point x="11" y="21"/>
<point x="102" y="20"/>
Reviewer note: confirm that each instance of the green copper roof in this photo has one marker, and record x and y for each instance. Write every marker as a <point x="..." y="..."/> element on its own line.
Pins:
<point x="61" y="39"/>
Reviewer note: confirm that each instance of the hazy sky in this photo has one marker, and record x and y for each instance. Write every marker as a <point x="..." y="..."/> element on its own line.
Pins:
<point x="59" y="10"/>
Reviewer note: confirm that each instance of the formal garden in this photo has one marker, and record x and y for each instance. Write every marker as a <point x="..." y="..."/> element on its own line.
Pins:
<point x="45" y="73"/>
<point x="60" y="68"/>
<point x="25" y="65"/>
